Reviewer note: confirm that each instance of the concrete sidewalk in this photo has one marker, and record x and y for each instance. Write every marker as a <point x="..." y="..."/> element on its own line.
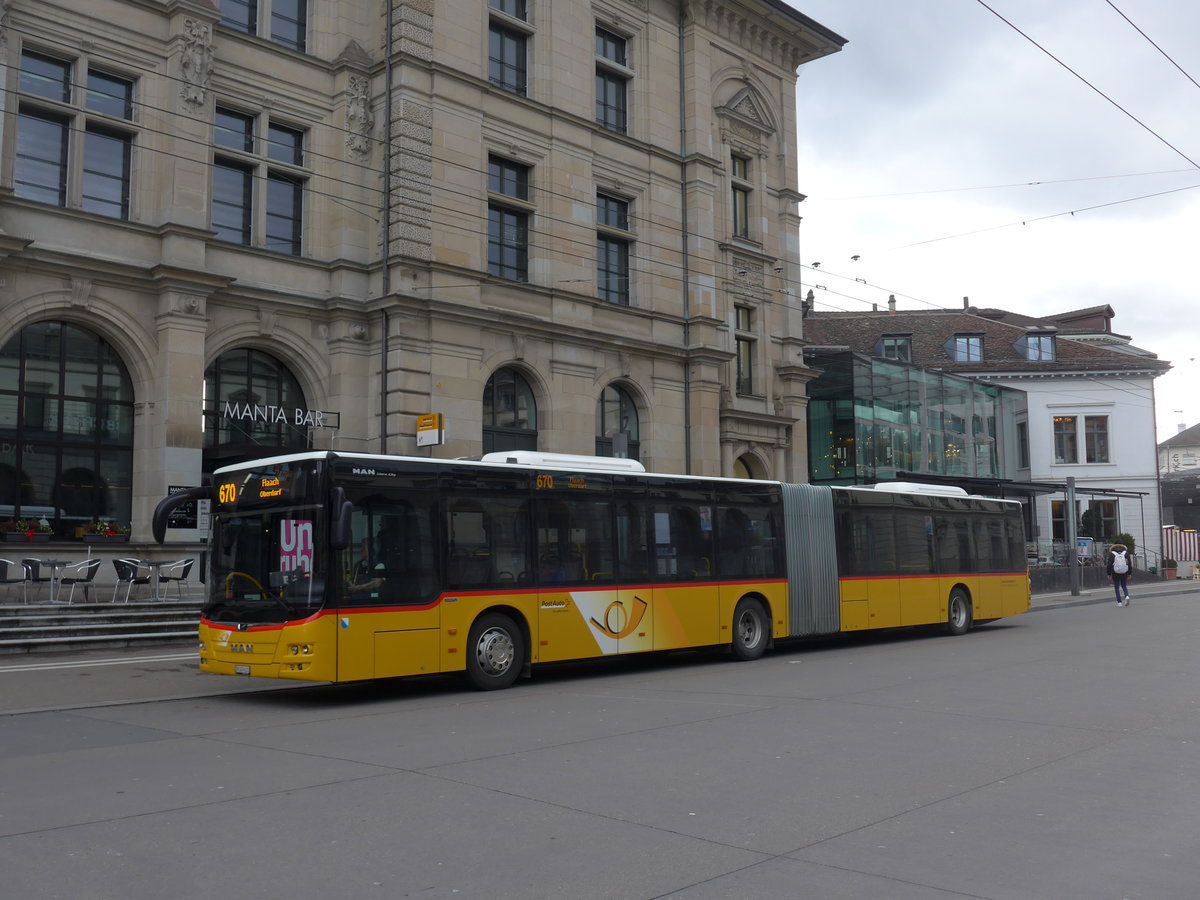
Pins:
<point x="1138" y="590"/>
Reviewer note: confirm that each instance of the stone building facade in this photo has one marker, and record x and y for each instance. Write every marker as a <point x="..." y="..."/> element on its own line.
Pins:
<point x="230" y="229"/>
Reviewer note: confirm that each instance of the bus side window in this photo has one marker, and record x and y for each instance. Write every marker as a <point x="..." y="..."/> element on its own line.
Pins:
<point x="631" y="543"/>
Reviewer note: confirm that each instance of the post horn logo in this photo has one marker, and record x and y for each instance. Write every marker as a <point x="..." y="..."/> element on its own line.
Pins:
<point x="618" y="623"/>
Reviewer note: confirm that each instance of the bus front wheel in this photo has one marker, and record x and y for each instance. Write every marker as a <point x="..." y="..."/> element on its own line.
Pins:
<point x="751" y="630"/>
<point x="495" y="652"/>
<point x="958" y="617"/>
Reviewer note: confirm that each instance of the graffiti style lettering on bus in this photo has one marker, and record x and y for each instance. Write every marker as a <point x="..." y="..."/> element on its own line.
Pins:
<point x="296" y="545"/>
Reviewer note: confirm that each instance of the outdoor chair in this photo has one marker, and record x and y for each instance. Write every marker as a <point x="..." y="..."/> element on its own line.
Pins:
<point x="33" y="574"/>
<point x="79" y="573"/>
<point x="8" y="572"/>
<point x="177" y="572"/>
<point x="130" y="572"/>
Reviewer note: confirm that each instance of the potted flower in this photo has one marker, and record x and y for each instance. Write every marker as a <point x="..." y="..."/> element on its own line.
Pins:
<point x="104" y="532"/>
<point x="26" y="530"/>
<point x="1169" y="567"/>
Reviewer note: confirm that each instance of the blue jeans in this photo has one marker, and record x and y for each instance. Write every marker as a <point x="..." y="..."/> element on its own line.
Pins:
<point x="1121" y="585"/>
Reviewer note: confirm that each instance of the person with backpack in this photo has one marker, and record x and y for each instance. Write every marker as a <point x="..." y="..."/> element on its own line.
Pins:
<point x="1119" y="566"/>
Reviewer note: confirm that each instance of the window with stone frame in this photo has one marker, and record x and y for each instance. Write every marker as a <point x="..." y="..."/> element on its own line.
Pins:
<point x="76" y="133"/>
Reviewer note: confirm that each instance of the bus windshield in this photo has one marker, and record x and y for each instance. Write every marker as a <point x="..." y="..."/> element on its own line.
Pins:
<point x="266" y="567"/>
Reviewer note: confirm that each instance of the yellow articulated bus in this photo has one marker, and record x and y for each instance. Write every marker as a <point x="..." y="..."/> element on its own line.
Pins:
<point x="345" y="567"/>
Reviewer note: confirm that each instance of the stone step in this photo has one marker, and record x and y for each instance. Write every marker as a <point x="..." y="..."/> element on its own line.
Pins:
<point x="58" y="626"/>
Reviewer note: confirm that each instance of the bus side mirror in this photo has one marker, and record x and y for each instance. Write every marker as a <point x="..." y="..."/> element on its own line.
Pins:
<point x="167" y="505"/>
<point x="339" y="537"/>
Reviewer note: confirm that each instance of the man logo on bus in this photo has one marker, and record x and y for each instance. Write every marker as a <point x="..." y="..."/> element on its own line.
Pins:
<point x="617" y="622"/>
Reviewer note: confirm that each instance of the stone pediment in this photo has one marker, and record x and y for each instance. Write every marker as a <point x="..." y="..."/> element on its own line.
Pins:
<point x="747" y="111"/>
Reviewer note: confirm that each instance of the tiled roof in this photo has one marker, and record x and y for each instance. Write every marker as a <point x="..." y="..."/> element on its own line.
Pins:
<point x="931" y="329"/>
<point x="1189" y="437"/>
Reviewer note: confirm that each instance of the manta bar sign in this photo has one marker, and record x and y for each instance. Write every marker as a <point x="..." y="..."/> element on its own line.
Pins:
<point x="278" y="415"/>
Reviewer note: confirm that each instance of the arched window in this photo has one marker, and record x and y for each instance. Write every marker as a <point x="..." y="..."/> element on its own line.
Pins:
<point x="250" y="405"/>
<point x="617" y="424"/>
<point x="509" y="413"/>
<point x="66" y="428"/>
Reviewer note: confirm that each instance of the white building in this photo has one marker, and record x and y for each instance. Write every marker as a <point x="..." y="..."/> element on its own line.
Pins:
<point x="1089" y="411"/>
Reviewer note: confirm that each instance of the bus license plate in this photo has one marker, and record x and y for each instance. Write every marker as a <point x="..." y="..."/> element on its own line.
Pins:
<point x="241" y="670"/>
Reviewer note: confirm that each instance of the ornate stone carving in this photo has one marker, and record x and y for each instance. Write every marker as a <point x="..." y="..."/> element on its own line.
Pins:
<point x="81" y="291"/>
<point x="195" y="62"/>
<point x="359" y="118"/>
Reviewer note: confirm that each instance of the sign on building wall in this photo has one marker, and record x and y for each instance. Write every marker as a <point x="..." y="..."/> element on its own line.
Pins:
<point x="430" y="430"/>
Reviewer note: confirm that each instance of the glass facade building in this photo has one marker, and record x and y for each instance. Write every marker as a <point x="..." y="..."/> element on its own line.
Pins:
<point x="870" y="419"/>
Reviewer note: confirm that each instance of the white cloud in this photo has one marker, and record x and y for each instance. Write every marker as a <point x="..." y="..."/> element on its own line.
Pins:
<point x="904" y="135"/>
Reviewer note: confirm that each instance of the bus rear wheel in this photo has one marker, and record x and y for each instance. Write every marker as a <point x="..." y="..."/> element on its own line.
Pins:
<point x="751" y="630"/>
<point x="495" y="652"/>
<point x="958" y="612"/>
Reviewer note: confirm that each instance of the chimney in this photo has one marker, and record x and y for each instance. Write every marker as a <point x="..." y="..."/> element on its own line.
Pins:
<point x="892" y="304"/>
<point x="966" y="302"/>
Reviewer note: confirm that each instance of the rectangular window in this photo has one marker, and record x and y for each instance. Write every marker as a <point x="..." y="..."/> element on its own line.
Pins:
<point x="232" y="206"/>
<point x="1036" y="347"/>
<point x="106" y="158"/>
<point x="612" y="81"/>
<point x="285" y="213"/>
<point x="612" y="251"/>
<point x="508" y="227"/>
<point x="240" y="14"/>
<point x="285" y="20"/>
<point x="1022" y="445"/>
<point x="508" y="243"/>
<point x="506" y="58"/>
<point x="1066" y="441"/>
<point x="612" y="270"/>
<point x="897" y="348"/>
<point x="289" y="23"/>
<point x="741" y="211"/>
<point x="740" y="195"/>
<point x="234" y="130"/>
<point x="258" y="189"/>
<point x="110" y="95"/>
<point x="81" y="145"/>
<point x="966" y="348"/>
<point x="41" y="163"/>
<point x="1095" y="431"/>
<point x="285" y="144"/>
<point x="514" y="8"/>
<point x="744" y="345"/>
<point x="508" y="178"/>
<point x="45" y="76"/>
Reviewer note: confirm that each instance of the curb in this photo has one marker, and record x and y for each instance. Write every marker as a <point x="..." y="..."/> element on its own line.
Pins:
<point x="1043" y="602"/>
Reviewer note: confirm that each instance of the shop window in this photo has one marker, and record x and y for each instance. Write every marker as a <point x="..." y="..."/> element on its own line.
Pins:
<point x="66" y="429"/>
<point x="250" y="405"/>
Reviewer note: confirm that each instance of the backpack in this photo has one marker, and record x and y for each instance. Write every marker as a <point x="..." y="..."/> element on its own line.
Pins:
<point x="1120" y="563"/>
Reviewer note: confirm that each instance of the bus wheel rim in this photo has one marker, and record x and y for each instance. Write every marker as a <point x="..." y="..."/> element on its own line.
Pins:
<point x="748" y="629"/>
<point x="958" y="611"/>
<point x="495" y="651"/>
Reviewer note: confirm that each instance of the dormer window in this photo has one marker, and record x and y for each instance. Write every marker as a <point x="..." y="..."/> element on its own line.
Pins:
<point x="1037" y="347"/>
<point x="965" y="348"/>
<point x="895" y="346"/>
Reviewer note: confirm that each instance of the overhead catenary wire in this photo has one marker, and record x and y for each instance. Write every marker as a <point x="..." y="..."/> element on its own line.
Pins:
<point x="653" y="255"/>
<point x="1130" y="115"/>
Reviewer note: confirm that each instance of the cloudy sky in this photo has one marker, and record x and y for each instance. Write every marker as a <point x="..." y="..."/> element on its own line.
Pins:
<point x="947" y="150"/>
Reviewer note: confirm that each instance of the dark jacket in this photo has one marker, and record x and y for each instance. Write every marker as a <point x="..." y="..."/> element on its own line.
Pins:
<point x="1108" y="559"/>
